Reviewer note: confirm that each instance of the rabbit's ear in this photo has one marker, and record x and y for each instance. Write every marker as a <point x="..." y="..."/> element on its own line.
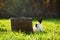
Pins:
<point x="40" y="19"/>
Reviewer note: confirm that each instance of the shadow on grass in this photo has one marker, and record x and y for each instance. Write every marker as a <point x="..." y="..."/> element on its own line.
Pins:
<point x="3" y="30"/>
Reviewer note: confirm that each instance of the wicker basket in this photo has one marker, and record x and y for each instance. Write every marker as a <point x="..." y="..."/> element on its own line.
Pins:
<point x="23" y="24"/>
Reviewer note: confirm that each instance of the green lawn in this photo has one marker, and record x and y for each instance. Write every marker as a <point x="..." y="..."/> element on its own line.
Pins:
<point x="51" y="28"/>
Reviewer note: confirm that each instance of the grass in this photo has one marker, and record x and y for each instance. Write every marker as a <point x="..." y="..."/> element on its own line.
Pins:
<point x="51" y="28"/>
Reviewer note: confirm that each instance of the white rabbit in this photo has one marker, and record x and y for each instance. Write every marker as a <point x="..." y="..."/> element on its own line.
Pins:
<point x="38" y="27"/>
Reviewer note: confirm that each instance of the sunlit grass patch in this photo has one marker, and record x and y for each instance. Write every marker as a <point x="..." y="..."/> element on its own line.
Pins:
<point x="5" y="24"/>
<point x="51" y="28"/>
